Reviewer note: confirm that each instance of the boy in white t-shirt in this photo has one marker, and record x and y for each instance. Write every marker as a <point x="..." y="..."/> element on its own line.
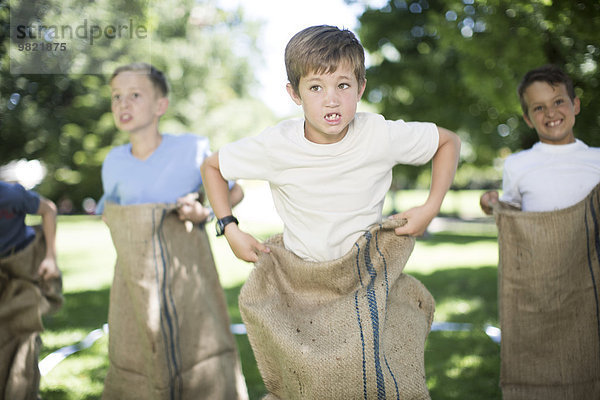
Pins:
<point x="329" y="172"/>
<point x="559" y="170"/>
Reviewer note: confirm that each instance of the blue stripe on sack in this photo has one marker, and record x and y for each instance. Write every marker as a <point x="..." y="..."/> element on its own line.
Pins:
<point x="372" y="301"/>
<point x="387" y="286"/>
<point x="393" y="377"/>
<point x="362" y="342"/>
<point x="172" y="353"/>
<point x="176" y="338"/>
<point x="358" y="264"/>
<point x="162" y="321"/>
<point x="595" y="233"/>
<point x="387" y="290"/>
<point x="177" y="354"/>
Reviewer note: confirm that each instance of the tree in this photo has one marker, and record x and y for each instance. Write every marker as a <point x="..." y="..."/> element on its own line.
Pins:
<point x="64" y="119"/>
<point x="458" y="63"/>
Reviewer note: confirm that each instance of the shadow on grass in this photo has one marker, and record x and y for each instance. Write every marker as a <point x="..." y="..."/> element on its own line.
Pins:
<point x="476" y="286"/>
<point x="83" y="312"/>
<point x="456" y="238"/>
<point x="463" y="365"/>
<point x="87" y="310"/>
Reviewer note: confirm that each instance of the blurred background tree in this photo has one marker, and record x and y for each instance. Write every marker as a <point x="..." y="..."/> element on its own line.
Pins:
<point x="64" y="120"/>
<point x="453" y="62"/>
<point x="458" y="63"/>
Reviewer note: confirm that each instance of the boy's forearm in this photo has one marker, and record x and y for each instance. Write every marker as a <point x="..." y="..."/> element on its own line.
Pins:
<point x="444" y="167"/>
<point x="217" y="189"/>
<point x="48" y="211"/>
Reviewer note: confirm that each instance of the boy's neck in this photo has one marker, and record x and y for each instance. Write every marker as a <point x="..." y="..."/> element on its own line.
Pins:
<point x="143" y="145"/>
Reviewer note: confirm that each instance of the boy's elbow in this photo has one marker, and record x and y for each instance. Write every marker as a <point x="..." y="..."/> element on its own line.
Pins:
<point x="453" y="137"/>
<point x="456" y="140"/>
<point x="450" y="138"/>
<point x="210" y="163"/>
<point x="47" y="208"/>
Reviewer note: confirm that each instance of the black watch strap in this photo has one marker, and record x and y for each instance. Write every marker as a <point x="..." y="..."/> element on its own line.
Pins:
<point x="223" y="222"/>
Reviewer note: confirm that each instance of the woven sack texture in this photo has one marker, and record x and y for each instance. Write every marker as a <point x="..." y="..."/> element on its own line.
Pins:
<point x="169" y="328"/>
<point x="351" y="328"/>
<point x="24" y="298"/>
<point x="549" y="277"/>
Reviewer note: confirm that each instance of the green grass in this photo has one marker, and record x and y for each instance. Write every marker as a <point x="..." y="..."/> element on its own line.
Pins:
<point x="457" y="263"/>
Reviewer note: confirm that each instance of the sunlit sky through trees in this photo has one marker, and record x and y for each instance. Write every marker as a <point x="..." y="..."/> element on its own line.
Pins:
<point x="282" y="19"/>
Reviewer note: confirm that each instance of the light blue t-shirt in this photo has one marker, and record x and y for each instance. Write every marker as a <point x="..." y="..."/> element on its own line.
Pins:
<point x="172" y="171"/>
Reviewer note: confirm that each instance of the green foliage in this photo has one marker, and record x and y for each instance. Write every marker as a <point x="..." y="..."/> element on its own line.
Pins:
<point x="64" y="119"/>
<point x="458" y="63"/>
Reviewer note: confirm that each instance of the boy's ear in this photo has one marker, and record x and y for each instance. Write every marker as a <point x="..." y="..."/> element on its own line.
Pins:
<point x="361" y="90"/>
<point x="528" y="121"/>
<point x="163" y="104"/>
<point x="576" y="105"/>
<point x="295" y="97"/>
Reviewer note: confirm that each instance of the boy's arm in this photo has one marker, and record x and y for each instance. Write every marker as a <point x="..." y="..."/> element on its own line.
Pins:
<point x="48" y="268"/>
<point x="444" y="166"/>
<point x="244" y="246"/>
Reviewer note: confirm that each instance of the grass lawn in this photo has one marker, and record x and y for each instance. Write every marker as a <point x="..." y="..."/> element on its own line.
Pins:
<point x="456" y="262"/>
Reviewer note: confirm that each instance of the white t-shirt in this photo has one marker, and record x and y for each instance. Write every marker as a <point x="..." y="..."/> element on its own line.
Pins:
<point x="327" y="195"/>
<point x="550" y="177"/>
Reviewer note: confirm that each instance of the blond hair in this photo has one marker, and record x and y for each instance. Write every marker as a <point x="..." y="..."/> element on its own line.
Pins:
<point x="157" y="77"/>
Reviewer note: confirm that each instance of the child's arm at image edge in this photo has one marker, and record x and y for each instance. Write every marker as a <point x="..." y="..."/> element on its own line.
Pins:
<point x="48" y="268"/>
<point x="244" y="246"/>
<point x="444" y="166"/>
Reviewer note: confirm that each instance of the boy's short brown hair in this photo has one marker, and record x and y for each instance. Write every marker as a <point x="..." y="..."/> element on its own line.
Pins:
<point x="156" y="76"/>
<point x="321" y="49"/>
<point x="551" y="74"/>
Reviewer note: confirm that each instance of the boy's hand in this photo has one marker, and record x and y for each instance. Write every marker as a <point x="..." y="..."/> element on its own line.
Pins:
<point x="244" y="246"/>
<point x="417" y="220"/>
<point x="189" y="209"/>
<point x="48" y="269"/>
<point x="487" y="200"/>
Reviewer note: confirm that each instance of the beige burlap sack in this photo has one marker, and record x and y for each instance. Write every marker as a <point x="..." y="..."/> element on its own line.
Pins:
<point x="352" y="328"/>
<point x="549" y="277"/>
<point x="23" y="301"/>
<point x="169" y="328"/>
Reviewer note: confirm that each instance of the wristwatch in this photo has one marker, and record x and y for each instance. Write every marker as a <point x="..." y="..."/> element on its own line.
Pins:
<point x="223" y="222"/>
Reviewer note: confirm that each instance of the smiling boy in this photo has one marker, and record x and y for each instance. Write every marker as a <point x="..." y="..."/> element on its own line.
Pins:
<point x="547" y="259"/>
<point x="559" y="170"/>
<point x="330" y="171"/>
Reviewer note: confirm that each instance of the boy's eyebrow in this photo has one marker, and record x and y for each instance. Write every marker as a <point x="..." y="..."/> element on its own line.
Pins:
<point x="318" y="78"/>
<point x="127" y="88"/>
<point x="558" y="96"/>
<point x="314" y="78"/>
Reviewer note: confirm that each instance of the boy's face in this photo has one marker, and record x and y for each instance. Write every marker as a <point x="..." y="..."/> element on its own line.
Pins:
<point x="329" y="102"/>
<point x="551" y="112"/>
<point x="135" y="103"/>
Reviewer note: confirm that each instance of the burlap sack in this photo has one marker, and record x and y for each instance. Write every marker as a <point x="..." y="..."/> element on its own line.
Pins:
<point x="169" y="328"/>
<point x="24" y="298"/>
<point x="352" y="328"/>
<point x="549" y="277"/>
